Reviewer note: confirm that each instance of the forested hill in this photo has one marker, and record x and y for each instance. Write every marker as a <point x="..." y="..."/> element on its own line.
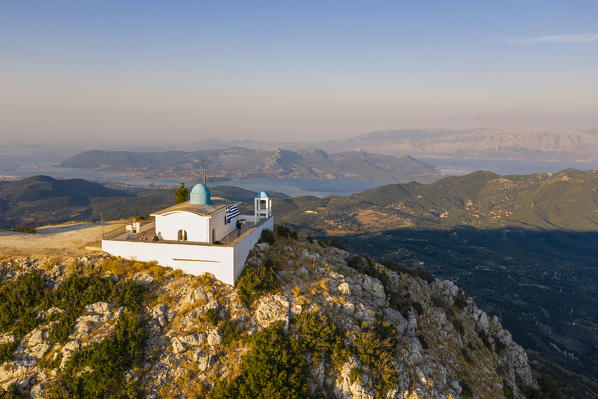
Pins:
<point x="567" y="200"/>
<point x="41" y="200"/>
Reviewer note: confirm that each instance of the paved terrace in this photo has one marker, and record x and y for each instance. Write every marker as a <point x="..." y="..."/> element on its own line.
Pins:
<point x="150" y="228"/>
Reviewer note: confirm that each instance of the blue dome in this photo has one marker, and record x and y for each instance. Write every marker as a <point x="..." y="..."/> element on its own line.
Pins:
<point x="200" y="195"/>
<point x="263" y="194"/>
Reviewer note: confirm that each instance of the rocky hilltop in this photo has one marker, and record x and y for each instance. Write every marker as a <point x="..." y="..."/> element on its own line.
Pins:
<point x="305" y="320"/>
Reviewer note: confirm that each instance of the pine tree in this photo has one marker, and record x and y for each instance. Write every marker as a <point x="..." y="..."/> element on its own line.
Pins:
<point x="181" y="194"/>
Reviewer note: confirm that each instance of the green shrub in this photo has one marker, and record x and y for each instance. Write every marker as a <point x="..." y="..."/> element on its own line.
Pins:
<point x="25" y="229"/>
<point x="548" y="389"/>
<point x="499" y="346"/>
<point x="274" y="367"/>
<point x="317" y="332"/>
<point x="229" y="331"/>
<point x="128" y="294"/>
<point x="400" y="303"/>
<point x="285" y="231"/>
<point x="7" y="352"/>
<point x="418" y="307"/>
<point x="76" y="292"/>
<point x="340" y="354"/>
<point x="417" y="272"/>
<point x="319" y="335"/>
<point x="355" y="375"/>
<point x="460" y="300"/>
<point x="484" y="337"/>
<point x="424" y="275"/>
<point x="19" y="299"/>
<point x="213" y="316"/>
<point x="356" y="262"/>
<point x="376" y="352"/>
<point x="267" y="237"/>
<point x="466" y="355"/>
<point x="423" y="341"/>
<point x="256" y="281"/>
<point x="98" y="370"/>
<point x="330" y="242"/>
<point x="466" y="391"/>
<point x="12" y="392"/>
<point x="53" y="363"/>
<point x="507" y="390"/>
<point x="501" y="369"/>
<point x="458" y="324"/>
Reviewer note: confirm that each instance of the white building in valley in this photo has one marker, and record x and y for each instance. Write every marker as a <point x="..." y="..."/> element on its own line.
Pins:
<point x="197" y="236"/>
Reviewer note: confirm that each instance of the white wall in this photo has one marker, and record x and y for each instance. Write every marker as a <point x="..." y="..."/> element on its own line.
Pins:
<point x="243" y="248"/>
<point x="192" y="259"/>
<point x="197" y="227"/>
<point x="222" y="230"/>
<point x="225" y="262"/>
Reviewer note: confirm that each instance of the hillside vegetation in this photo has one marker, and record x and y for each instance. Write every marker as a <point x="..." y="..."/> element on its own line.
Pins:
<point x="305" y="320"/>
<point x="42" y="200"/>
<point x="567" y="200"/>
<point x="523" y="246"/>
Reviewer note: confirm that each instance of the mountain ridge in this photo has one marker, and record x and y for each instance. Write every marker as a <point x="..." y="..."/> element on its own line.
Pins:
<point x="239" y="162"/>
<point x="489" y="143"/>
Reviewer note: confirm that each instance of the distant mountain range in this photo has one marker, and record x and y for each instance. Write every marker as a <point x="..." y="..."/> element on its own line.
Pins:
<point x="239" y="163"/>
<point x="483" y="143"/>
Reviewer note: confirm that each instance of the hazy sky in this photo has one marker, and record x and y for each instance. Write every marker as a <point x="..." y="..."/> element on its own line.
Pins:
<point x="188" y="70"/>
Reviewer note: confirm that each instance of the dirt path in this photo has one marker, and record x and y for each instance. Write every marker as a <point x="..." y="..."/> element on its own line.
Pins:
<point x="62" y="239"/>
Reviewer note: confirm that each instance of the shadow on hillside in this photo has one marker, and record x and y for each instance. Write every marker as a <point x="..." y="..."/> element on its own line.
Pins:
<point x="542" y="284"/>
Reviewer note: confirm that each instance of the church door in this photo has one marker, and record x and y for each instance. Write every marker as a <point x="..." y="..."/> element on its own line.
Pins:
<point x="182" y="235"/>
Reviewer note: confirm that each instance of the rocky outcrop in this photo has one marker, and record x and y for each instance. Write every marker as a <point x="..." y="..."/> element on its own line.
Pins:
<point x="198" y="329"/>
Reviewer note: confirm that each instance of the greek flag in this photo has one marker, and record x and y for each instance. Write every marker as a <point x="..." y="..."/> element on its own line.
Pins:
<point x="231" y="212"/>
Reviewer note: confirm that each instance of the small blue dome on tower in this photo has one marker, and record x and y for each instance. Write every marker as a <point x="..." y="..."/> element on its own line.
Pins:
<point x="263" y="194"/>
<point x="200" y="195"/>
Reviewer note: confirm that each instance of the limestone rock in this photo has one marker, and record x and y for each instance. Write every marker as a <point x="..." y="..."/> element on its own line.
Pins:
<point x="262" y="246"/>
<point x="272" y="308"/>
<point x="193" y="339"/>
<point x="344" y="289"/>
<point x="68" y="349"/>
<point x="177" y="346"/>
<point x="143" y="278"/>
<point x="6" y="338"/>
<point x="214" y="338"/>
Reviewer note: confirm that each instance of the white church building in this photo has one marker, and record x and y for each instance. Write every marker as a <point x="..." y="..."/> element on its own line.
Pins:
<point x="197" y="236"/>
